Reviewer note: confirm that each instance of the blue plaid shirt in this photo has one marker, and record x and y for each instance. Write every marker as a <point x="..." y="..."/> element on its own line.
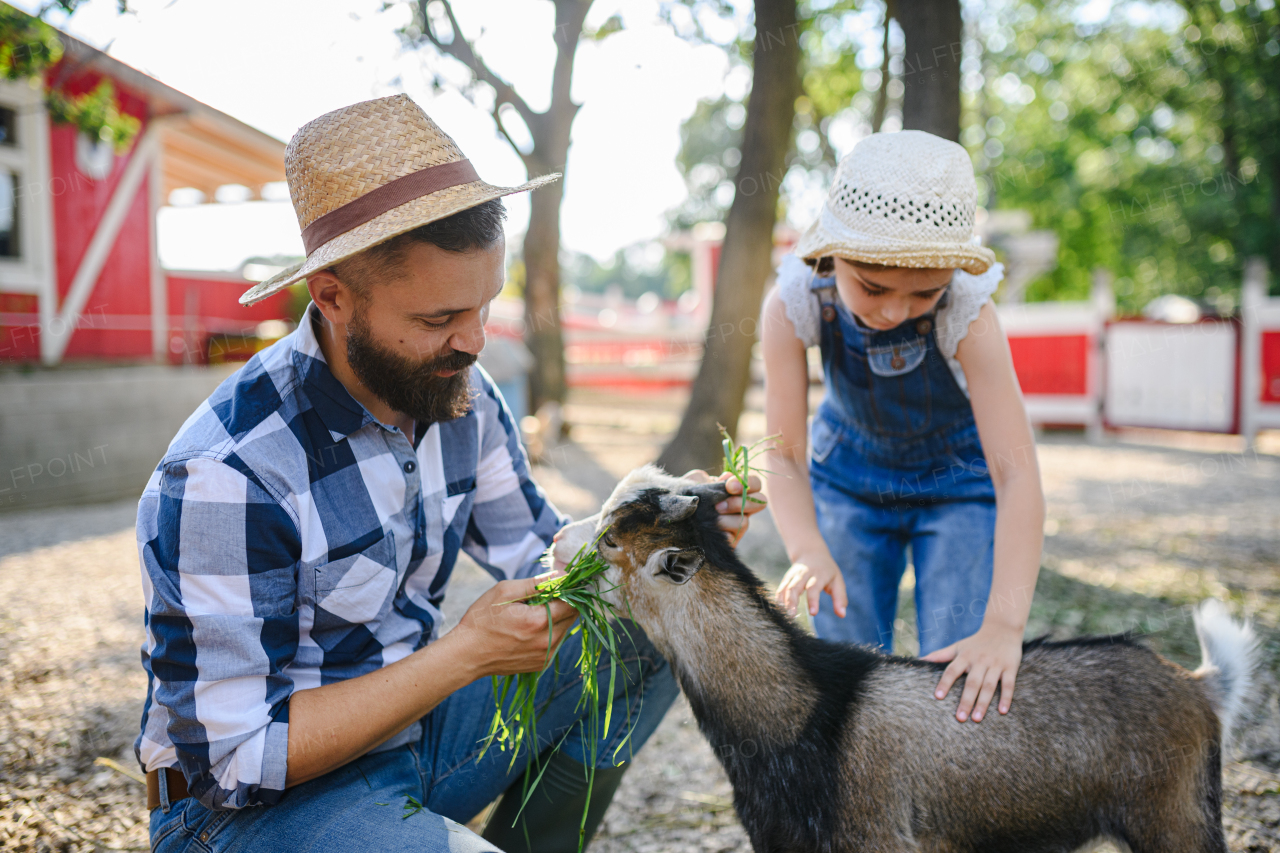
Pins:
<point x="289" y="540"/>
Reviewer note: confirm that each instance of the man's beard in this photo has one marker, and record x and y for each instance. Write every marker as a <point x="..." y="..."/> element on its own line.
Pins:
<point x="407" y="386"/>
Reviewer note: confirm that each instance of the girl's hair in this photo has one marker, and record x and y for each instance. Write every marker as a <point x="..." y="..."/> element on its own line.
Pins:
<point x="827" y="266"/>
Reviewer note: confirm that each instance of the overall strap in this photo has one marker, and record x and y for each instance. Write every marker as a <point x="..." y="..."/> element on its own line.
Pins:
<point x="825" y="290"/>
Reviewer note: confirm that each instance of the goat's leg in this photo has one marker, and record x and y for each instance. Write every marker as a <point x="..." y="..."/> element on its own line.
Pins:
<point x="1185" y="838"/>
<point x="1179" y="827"/>
<point x="887" y="844"/>
<point x="888" y="839"/>
<point x="1184" y="808"/>
<point x="845" y="842"/>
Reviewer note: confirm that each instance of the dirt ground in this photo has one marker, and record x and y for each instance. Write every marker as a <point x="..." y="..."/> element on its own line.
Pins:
<point x="1140" y="527"/>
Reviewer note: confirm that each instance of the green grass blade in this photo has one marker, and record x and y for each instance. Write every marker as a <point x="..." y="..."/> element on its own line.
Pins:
<point x="514" y="723"/>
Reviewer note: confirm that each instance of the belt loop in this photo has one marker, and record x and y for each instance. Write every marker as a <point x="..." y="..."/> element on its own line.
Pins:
<point x="162" y="779"/>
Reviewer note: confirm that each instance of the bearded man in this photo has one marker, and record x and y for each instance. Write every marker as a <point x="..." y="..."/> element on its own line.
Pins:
<point x="298" y="537"/>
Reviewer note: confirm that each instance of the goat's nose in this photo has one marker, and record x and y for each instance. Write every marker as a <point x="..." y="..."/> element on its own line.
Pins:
<point x="712" y="492"/>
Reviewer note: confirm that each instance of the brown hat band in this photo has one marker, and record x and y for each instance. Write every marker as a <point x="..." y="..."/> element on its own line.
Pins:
<point x="390" y="195"/>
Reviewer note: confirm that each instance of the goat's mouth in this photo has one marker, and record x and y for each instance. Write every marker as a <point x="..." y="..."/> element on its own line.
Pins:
<point x="609" y="587"/>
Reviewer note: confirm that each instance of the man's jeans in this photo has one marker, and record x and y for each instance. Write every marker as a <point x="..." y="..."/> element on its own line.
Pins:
<point x="364" y="805"/>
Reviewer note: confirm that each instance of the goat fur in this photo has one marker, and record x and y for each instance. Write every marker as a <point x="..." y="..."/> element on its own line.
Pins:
<point x="833" y="747"/>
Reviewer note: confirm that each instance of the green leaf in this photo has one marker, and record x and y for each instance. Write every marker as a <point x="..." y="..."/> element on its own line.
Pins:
<point x="612" y="25"/>
<point x="737" y="463"/>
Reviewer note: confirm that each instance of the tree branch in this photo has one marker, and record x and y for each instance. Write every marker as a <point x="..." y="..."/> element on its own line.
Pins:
<point x="461" y="50"/>
<point x="502" y="128"/>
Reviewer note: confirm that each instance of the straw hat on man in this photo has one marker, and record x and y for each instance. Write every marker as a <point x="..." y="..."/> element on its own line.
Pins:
<point x="298" y="537"/>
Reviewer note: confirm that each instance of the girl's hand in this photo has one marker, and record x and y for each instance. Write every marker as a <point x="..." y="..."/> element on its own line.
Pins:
<point x="988" y="659"/>
<point x="735" y="514"/>
<point x="810" y="577"/>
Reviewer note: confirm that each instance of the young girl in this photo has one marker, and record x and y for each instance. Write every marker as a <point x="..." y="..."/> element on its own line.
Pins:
<point x="922" y="439"/>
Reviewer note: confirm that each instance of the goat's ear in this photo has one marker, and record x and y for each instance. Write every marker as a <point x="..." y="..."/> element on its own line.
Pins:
<point x="679" y="566"/>
<point x="676" y="507"/>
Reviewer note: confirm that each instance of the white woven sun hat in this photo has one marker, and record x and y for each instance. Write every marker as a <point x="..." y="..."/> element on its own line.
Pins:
<point x="903" y="199"/>
<point x="363" y="174"/>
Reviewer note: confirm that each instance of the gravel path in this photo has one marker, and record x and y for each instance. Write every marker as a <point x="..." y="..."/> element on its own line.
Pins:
<point x="1137" y="533"/>
<point x="71" y="685"/>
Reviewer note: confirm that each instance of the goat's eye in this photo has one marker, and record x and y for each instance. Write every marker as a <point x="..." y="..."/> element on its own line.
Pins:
<point x="607" y="541"/>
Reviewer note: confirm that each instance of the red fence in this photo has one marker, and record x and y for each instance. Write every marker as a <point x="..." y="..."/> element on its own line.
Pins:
<point x="1270" y="367"/>
<point x="204" y="311"/>
<point x="1075" y="364"/>
<point x="1052" y="364"/>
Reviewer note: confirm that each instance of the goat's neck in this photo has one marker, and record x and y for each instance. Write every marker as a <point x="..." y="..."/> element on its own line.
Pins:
<point x="735" y="663"/>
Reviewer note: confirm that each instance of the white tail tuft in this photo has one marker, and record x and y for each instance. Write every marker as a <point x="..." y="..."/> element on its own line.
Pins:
<point x="1229" y="656"/>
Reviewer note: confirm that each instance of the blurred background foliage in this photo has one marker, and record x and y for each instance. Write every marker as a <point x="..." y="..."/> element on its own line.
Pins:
<point x="631" y="272"/>
<point x="1149" y="142"/>
<point x="1147" y="138"/>
<point x="832" y="36"/>
<point x="712" y="137"/>
<point x="29" y="47"/>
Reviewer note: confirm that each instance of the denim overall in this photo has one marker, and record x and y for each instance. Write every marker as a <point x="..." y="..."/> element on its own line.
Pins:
<point x="896" y="461"/>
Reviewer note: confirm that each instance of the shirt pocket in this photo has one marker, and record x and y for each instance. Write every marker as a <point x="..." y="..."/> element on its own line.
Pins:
<point x="823" y="437"/>
<point x="454" y="518"/>
<point x="897" y="359"/>
<point x="354" y="589"/>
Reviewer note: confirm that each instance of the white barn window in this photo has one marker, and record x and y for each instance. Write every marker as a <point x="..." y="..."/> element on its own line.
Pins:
<point x="10" y="236"/>
<point x="26" y="211"/>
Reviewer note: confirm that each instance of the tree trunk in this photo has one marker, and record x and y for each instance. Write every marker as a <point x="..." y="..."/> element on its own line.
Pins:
<point x="1275" y="217"/>
<point x="542" y="334"/>
<point x="882" y="97"/>
<point x="551" y="132"/>
<point x="931" y="65"/>
<point x="745" y="261"/>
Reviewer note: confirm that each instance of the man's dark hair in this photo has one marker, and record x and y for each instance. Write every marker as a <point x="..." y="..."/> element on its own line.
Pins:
<point x="476" y="227"/>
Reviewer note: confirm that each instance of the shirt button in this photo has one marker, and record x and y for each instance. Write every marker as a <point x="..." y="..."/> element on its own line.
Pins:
<point x="409" y="466"/>
<point x="923" y="327"/>
<point x="897" y="362"/>
<point x="828" y="313"/>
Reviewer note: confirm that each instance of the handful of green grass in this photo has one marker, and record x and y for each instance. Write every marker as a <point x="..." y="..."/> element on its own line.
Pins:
<point x="515" y="719"/>
<point x="737" y="461"/>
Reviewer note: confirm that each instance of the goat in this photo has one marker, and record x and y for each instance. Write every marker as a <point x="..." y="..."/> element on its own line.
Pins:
<point x="833" y="747"/>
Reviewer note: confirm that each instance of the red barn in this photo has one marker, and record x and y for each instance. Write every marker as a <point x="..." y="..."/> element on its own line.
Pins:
<point x="80" y="275"/>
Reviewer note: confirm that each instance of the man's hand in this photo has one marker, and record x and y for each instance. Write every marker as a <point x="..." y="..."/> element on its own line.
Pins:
<point x="810" y="576"/>
<point x="499" y="635"/>
<point x="506" y="636"/>
<point x="990" y="658"/>
<point x="733" y="518"/>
